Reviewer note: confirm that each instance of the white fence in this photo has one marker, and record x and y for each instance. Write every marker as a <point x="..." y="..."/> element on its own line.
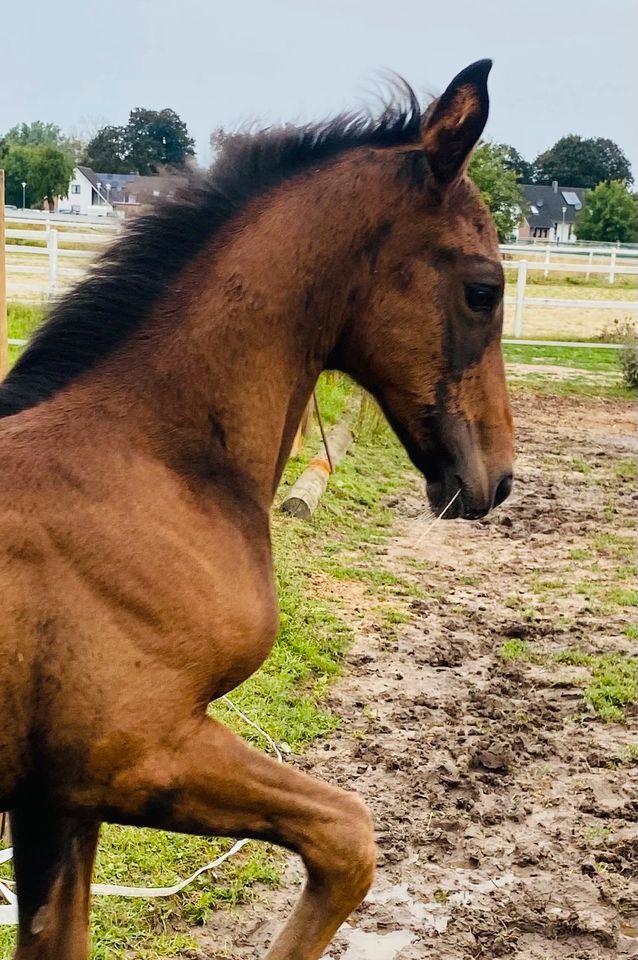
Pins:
<point x="522" y="266"/>
<point x="62" y="248"/>
<point x="52" y="253"/>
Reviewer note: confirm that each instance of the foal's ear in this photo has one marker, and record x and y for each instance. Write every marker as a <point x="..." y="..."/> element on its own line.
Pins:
<point x="455" y="121"/>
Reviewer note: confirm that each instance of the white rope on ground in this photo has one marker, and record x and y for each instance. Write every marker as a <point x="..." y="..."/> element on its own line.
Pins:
<point x="9" y="912"/>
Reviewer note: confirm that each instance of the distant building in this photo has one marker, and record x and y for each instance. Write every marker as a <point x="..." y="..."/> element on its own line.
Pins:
<point x="551" y="212"/>
<point x="115" y="194"/>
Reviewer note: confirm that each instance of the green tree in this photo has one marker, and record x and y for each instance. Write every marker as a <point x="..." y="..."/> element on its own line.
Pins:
<point x="609" y="214"/>
<point x="108" y="151"/>
<point x="40" y="134"/>
<point x="50" y="170"/>
<point x="158" y="138"/>
<point x="45" y="169"/>
<point x="575" y="162"/>
<point x="150" y="140"/>
<point x="514" y="161"/>
<point x="499" y="187"/>
<point x="35" y="134"/>
<point x="15" y="161"/>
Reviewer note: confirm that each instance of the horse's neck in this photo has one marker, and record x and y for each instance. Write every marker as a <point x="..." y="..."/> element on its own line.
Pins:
<point x="226" y="374"/>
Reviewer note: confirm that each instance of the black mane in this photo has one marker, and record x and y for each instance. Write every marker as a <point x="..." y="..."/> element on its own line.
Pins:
<point x="140" y="267"/>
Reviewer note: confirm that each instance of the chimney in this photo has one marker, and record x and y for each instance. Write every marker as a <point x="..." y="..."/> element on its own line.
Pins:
<point x="555" y="186"/>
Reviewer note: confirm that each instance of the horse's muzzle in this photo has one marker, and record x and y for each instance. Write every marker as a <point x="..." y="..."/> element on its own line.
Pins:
<point x="451" y="498"/>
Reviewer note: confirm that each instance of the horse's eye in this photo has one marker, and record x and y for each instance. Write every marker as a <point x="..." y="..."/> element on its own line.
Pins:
<point x="480" y="297"/>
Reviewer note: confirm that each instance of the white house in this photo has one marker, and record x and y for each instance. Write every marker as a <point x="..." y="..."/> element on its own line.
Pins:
<point x="87" y="195"/>
<point x="115" y="194"/>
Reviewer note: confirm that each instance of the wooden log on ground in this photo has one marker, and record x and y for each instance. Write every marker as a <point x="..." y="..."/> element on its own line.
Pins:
<point x="304" y="495"/>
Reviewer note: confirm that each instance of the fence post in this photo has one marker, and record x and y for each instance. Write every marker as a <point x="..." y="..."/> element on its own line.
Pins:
<point x="590" y="259"/>
<point x="521" y="282"/>
<point x="52" y="247"/>
<point x="548" y="256"/>
<point x="612" y="266"/>
<point x="4" y="332"/>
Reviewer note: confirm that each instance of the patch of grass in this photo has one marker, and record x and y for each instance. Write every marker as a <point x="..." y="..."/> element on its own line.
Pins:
<point x="622" y="597"/>
<point x="614" y="545"/>
<point x="22" y="320"/>
<point x="392" y="617"/>
<point x="572" y="387"/>
<point x="581" y="553"/>
<point x="515" y="650"/>
<point x="594" y="836"/>
<point x="594" y="359"/>
<point x="549" y="584"/>
<point x="580" y="466"/>
<point x="596" y="281"/>
<point x="610" y="687"/>
<point x="627" y="469"/>
<point x="573" y="657"/>
<point x="333" y="392"/>
<point x="613" y="685"/>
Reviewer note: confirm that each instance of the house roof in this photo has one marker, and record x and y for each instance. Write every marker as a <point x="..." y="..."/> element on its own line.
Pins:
<point x="125" y="185"/>
<point x="545" y="203"/>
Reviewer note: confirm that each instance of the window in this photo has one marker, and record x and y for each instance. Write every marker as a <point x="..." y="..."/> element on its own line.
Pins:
<point x="76" y="188"/>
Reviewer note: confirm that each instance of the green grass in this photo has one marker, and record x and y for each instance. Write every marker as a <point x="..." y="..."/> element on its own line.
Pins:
<point x="596" y="281"/>
<point x="615" y="545"/>
<point x="611" y="683"/>
<point x="22" y="321"/>
<point x="594" y="359"/>
<point x="515" y="650"/>
<point x="572" y="387"/>
<point x="286" y="698"/>
<point x="626" y="469"/>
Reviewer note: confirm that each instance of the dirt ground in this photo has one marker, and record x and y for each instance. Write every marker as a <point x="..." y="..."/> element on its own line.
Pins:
<point x="503" y="804"/>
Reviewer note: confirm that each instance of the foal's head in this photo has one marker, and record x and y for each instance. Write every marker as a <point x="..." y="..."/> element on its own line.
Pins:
<point x="426" y="341"/>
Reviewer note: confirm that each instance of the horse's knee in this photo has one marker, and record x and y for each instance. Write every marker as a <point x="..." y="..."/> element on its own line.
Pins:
<point x="343" y="850"/>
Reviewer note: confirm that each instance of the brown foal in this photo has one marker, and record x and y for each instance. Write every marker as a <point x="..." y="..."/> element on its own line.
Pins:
<point x="145" y="431"/>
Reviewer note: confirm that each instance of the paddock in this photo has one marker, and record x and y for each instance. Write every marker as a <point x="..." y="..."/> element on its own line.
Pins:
<point x="515" y="764"/>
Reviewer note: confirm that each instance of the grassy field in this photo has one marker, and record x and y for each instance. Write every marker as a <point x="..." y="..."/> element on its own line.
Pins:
<point x="566" y="371"/>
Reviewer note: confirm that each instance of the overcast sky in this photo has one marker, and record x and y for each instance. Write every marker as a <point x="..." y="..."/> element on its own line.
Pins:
<point x="560" y="66"/>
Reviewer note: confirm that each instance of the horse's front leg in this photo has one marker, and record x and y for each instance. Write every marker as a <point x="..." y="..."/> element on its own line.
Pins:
<point x="53" y="858"/>
<point x="208" y="781"/>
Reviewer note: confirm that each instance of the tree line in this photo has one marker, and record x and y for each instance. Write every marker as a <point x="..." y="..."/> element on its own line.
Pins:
<point x="41" y="156"/>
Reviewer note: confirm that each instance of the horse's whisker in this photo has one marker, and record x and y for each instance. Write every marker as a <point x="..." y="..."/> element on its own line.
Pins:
<point x="439" y="517"/>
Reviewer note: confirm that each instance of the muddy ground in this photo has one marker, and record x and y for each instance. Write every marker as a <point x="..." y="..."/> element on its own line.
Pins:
<point x="504" y="805"/>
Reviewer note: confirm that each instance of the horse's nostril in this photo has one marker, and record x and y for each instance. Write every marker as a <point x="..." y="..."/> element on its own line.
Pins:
<point x="503" y="489"/>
